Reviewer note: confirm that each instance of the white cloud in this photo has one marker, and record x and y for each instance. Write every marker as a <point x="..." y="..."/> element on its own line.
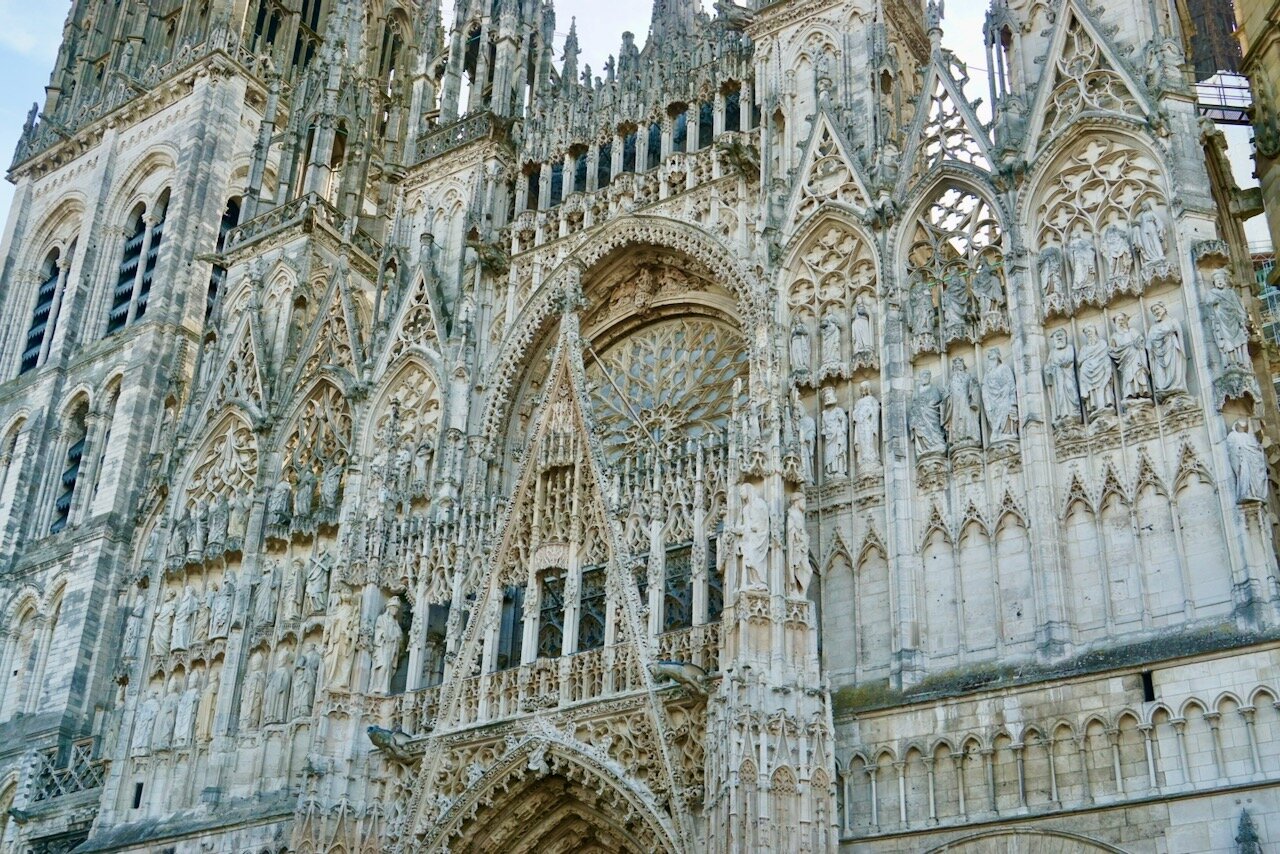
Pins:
<point x="31" y="30"/>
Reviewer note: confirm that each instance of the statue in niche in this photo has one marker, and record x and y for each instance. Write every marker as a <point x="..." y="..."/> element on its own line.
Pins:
<point x="862" y="330"/>
<point x="264" y="597"/>
<point x="1150" y="237"/>
<point x="200" y="620"/>
<point x="829" y="331"/>
<point x="753" y="538"/>
<point x="801" y="348"/>
<point x="317" y="584"/>
<point x="957" y="306"/>
<point x="304" y="493"/>
<point x="331" y="487"/>
<point x="961" y="408"/>
<point x="422" y="463"/>
<point x="199" y="531"/>
<point x="219" y="522"/>
<point x="920" y="310"/>
<point x="1000" y="398"/>
<point x="133" y="625"/>
<point x="1130" y="355"/>
<point x="1248" y="463"/>
<point x="237" y="521"/>
<point x="1117" y="251"/>
<point x="924" y="416"/>
<point x="1084" y="266"/>
<point x="835" y="436"/>
<point x="988" y="290"/>
<point x="162" y="632"/>
<point x="799" y="570"/>
<point x="808" y="430"/>
<point x="208" y="707"/>
<point x="1168" y="354"/>
<point x="292" y="590"/>
<point x="180" y="537"/>
<point x="1052" y="278"/>
<point x="341" y="633"/>
<point x="185" y="718"/>
<point x="1096" y="377"/>
<point x="251" y="696"/>
<point x="145" y="725"/>
<point x="304" y="683"/>
<point x="151" y="552"/>
<point x="280" y="503"/>
<point x="275" y="704"/>
<point x="866" y="428"/>
<point x="184" y="614"/>
<point x="162" y="737"/>
<point x="220" y="602"/>
<point x="1060" y="377"/>
<point x="1229" y="320"/>
<point x="388" y="644"/>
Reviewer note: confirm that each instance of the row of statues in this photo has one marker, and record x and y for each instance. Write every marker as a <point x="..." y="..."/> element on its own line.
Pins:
<point x="754" y="539"/>
<point x="968" y="306"/>
<point x="1092" y="379"/>
<point x="284" y="694"/>
<point x="831" y="349"/>
<point x="207" y="528"/>
<point x="1071" y="275"/>
<point x="343" y="631"/>
<point x="290" y="591"/>
<point x="180" y="717"/>
<point x="952" y="416"/>
<point x="188" y="616"/>
<point x="837" y="459"/>
<point x="300" y="502"/>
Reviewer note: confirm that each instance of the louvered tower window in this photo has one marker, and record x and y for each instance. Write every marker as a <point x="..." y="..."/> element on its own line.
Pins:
<point x="71" y="470"/>
<point x="218" y="276"/>
<point x="127" y="278"/>
<point x="43" y="316"/>
<point x="137" y="270"/>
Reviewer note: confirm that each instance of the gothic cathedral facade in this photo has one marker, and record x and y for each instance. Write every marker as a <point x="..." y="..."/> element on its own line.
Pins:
<point x="413" y="440"/>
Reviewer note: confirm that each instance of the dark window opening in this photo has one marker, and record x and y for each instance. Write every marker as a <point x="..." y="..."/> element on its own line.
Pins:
<point x="137" y="795"/>
<point x="629" y="152"/>
<point x="591" y="614"/>
<point x="715" y="582"/>
<point x="71" y="472"/>
<point x="677" y="600"/>
<point x="706" y="124"/>
<point x="654" y="155"/>
<point x="551" y="614"/>
<point x="680" y="132"/>
<point x="218" y="276"/>
<point x="604" y="165"/>
<point x="534" y="178"/>
<point x="557" y="184"/>
<point x="42" y="321"/>
<point x="733" y="110"/>
<point x="510" y="630"/>
<point x="1148" y="687"/>
<point x="580" y="173"/>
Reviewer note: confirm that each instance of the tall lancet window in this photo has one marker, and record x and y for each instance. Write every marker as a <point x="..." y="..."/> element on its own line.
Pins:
<point x="138" y="260"/>
<point x="218" y="276"/>
<point x="77" y="432"/>
<point x="44" y="317"/>
<point x="551" y="614"/>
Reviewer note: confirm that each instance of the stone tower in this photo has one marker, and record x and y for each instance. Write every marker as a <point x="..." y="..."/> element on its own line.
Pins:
<point x="412" y="439"/>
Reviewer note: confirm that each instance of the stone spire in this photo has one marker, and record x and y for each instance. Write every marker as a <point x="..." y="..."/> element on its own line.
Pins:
<point x="569" y="74"/>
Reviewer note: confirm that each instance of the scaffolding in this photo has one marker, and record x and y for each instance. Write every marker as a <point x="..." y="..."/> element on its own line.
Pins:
<point x="1225" y="99"/>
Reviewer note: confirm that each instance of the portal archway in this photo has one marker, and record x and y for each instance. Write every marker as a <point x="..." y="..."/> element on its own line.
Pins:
<point x="1025" y="842"/>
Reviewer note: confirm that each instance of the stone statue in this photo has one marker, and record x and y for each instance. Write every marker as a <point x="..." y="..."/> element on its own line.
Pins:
<point x="1000" y="398"/>
<point x="1060" y="377"/>
<point x="388" y="644"/>
<point x="304" y="493"/>
<point x="809" y="442"/>
<point x="255" y="684"/>
<point x="988" y="290"/>
<point x="279" y="504"/>
<point x="1248" y="463"/>
<point x="340" y="642"/>
<point x="1051" y="274"/>
<point x="1149" y="236"/>
<point x="162" y="632"/>
<point x="924" y="417"/>
<point x="1096" y="377"/>
<point x="133" y="626"/>
<point x="317" y="585"/>
<point x="920" y="310"/>
<point x="801" y="349"/>
<point x="151" y="551"/>
<point x="264" y="597"/>
<point x="862" y="331"/>
<point x="1084" y="266"/>
<point x="275" y="704"/>
<point x="219" y="522"/>
<point x="185" y="718"/>
<point x="180" y="536"/>
<point x="162" y="737"/>
<point x="292" y="588"/>
<point x="957" y="306"/>
<point x="182" y="621"/>
<point x="145" y="725"/>
<point x="220" y="610"/>
<point x="753" y="538"/>
<point x="1130" y="356"/>
<point x="1229" y="320"/>
<point x="799" y="570"/>
<point x="331" y="487"/>
<point x="199" y="531"/>
<point x="961" y="408"/>
<point x="1118" y="253"/>
<point x="866" y="428"/>
<point x="829" y="331"/>
<point x="237" y="521"/>
<point x="1168" y="354"/>
<point x="835" y="436"/>
<point x="304" y="683"/>
<point x="200" y="620"/>
<point x="208" y="707"/>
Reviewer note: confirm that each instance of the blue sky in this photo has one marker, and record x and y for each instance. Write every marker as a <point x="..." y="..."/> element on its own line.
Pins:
<point x="30" y="33"/>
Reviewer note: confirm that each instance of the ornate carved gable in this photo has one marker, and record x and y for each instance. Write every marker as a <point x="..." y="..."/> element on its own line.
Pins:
<point x="241" y="380"/>
<point x="335" y="343"/>
<point x="945" y="129"/>
<point x="1084" y="76"/>
<point x="828" y="174"/>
